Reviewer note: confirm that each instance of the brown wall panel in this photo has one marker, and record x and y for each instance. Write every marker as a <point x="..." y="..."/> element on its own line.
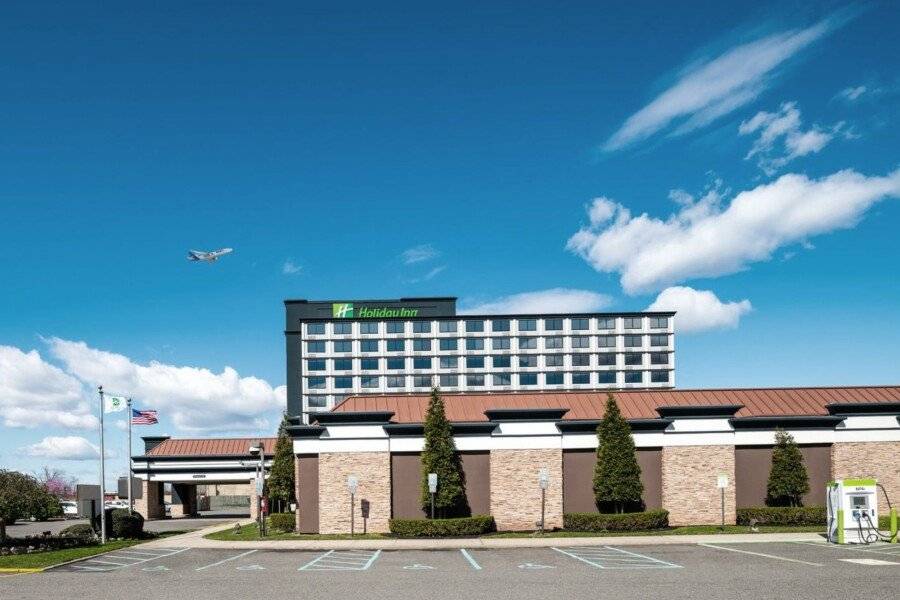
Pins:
<point x="753" y="463"/>
<point x="406" y="478"/>
<point x="578" y="478"/>
<point x="477" y="468"/>
<point x="308" y="500"/>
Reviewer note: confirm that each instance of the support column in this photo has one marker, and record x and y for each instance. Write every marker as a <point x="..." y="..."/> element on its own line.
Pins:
<point x="254" y="502"/>
<point x="515" y="493"/>
<point x="689" y="484"/>
<point x="184" y="500"/>
<point x="150" y="504"/>
<point x="297" y="493"/>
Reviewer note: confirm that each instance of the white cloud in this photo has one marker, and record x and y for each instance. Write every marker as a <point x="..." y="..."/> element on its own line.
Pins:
<point x="196" y="399"/>
<point x="65" y="448"/>
<point x="699" y="310"/>
<point x="290" y="268"/>
<point x="852" y="93"/>
<point x="419" y="254"/>
<point x="784" y="126"/>
<point x="555" y="300"/>
<point x="35" y="393"/>
<point x="707" y="239"/>
<point x="717" y="86"/>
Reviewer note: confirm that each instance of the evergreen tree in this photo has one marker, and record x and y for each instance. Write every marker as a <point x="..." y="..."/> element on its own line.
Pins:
<point x="617" y="476"/>
<point x="788" y="480"/>
<point x="440" y="456"/>
<point x="281" y="474"/>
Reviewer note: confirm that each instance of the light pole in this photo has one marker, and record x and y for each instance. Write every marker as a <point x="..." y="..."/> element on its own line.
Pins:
<point x="543" y="481"/>
<point x="256" y="450"/>
<point x="432" y="489"/>
<point x="352" y="486"/>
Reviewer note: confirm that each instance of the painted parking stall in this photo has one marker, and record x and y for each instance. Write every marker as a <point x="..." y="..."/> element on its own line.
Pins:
<point x="121" y="559"/>
<point x="608" y="557"/>
<point x="343" y="560"/>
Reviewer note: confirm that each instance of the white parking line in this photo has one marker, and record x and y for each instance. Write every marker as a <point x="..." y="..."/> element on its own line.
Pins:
<point x="650" y="558"/>
<point x="794" y="560"/>
<point x="109" y="562"/>
<point x="885" y="550"/>
<point x="471" y="560"/>
<point x="607" y="557"/>
<point x="315" y="560"/>
<point x="225" y="560"/>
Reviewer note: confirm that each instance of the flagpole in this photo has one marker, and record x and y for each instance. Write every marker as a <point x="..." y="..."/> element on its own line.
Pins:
<point x="102" y="475"/>
<point x="130" y="494"/>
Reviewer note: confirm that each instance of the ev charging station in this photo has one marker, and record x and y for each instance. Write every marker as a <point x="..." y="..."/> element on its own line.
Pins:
<point x="852" y="512"/>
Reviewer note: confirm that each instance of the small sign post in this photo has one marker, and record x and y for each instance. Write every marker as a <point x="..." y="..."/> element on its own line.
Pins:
<point x="722" y="483"/>
<point x="543" y="481"/>
<point x="432" y="489"/>
<point x="352" y="485"/>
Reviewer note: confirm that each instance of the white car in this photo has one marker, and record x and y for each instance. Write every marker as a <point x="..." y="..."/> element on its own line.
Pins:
<point x="70" y="509"/>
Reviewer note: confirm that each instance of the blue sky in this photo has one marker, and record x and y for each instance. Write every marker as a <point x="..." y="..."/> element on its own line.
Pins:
<point x="736" y="161"/>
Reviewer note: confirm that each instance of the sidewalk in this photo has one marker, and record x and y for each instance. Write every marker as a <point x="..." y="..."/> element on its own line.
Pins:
<point x="195" y="539"/>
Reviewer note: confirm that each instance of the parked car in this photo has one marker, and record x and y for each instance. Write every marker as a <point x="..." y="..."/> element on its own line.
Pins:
<point x="70" y="509"/>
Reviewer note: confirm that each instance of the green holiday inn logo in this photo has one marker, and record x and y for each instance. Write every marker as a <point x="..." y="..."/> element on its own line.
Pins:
<point x="345" y="310"/>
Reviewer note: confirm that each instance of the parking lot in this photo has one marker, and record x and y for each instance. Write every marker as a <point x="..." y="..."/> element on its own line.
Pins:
<point x="720" y="570"/>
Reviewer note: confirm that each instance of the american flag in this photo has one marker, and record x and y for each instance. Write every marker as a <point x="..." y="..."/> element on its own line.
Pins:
<point x="143" y="417"/>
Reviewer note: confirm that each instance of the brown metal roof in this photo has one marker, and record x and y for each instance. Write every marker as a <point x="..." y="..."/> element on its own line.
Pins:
<point x="211" y="447"/>
<point x="758" y="402"/>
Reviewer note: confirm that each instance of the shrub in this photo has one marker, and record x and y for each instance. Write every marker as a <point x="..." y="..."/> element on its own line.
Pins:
<point x="636" y="521"/>
<point x="782" y="515"/>
<point x="82" y="530"/>
<point x="440" y="456"/>
<point x="47" y="507"/>
<point x="442" y="527"/>
<point x="280" y="483"/>
<point x="788" y="480"/>
<point x="126" y="525"/>
<point x="42" y="543"/>
<point x="617" y="475"/>
<point x="283" y="522"/>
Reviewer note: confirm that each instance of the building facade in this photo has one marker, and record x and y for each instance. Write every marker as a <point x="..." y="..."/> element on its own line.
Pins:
<point x="340" y="348"/>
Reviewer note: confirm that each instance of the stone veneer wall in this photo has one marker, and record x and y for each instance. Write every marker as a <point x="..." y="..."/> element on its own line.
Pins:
<point x="374" y="472"/>
<point x="515" y="494"/>
<point x="689" y="478"/>
<point x="150" y="505"/>
<point x="880" y="460"/>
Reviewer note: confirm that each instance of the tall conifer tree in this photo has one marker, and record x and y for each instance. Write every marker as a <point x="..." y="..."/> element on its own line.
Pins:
<point x="617" y="475"/>
<point x="440" y="456"/>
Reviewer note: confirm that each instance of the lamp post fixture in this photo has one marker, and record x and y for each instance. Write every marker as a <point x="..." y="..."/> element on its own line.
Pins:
<point x="543" y="481"/>
<point x="257" y="451"/>
<point x="352" y="486"/>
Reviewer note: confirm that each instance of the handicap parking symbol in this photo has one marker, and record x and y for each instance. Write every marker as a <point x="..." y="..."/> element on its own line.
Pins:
<point x="159" y="568"/>
<point x="251" y="568"/>
<point x="534" y="566"/>
<point x="418" y="567"/>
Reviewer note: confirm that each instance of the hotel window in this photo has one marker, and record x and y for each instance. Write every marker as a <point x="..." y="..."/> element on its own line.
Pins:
<point x="659" y="322"/>
<point x="315" y="365"/>
<point x="474" y="326"/>
<point x="368" y="346"/>
<point x="553" y="378"/>
<point x="342" y="328"/>
<point x="449" y="362"/>
<point x="475" y="344"/>
<point x="475" y="380"/>
<point x="422" y="362"/>
<point x="553" y="360"/>
<point x="368" y="327"/>
<point x="396" y="345"/>
<point x="553" y="324"/>
<point x="343" y="364"/>
<point x="606" y="341"/>
<point x="343" y="346"/>
<point x="633" y="322"/>
<point x="395" y="364"/>
<point x="527" y="378"/>
<point x="448" y="344"/>
<point x="474" y="362"/>
<point x="553" y="342"/>
<point x="634" y="341"/>
<point x="634" y="377"/>
<point x="422" y="381"/>
<point x="659" y="340"/>
<point x="606" y="323"/>
<point x="659" y="358"/>
<point x="502" y="379"/>
<point x="395" y="326"/>
<point x="368" y="364"/>
<point x="317" y="401"/>
<point x="500" y="325"/>
<point x="659" y="376"/>
<point x="606" y="359"/>
<point x="528" y="361"/>
<point x="581" y="378"/>
<point x="500" y="343"/>
<point x="396" y="381"/>
<point x="343" y="383"/>
<point x="315" y="346"/>
<point x="421" y="326"/>
<point x="420" y="345"/>
<point x="580" y="324"/>
<point x="315" y="328"/>
<point x="606" y="377"/>
<point x="449" y="380"/>
<point x="581" y="341"/>
<point x="528" y="343"/>
<point x="500" y="362"/>
<point x="369" y="381"/>
<point x="315" y="383"/>
<point x="581" y="360"/>
<point x="447" y="326"/>
<point x="634" y="359"/>
<point x="527" y="325"/>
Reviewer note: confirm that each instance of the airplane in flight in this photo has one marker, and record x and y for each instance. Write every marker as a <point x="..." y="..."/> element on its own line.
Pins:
<point x="202" y="256"/>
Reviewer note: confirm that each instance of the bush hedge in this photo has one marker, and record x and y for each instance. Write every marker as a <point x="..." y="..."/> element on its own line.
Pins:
<point x="782" y="515"/>
<point x="284" y="522"/>
<point x="636" y="521"/>
<point x="42" y="543"/>
<point x="82" y="530"/>
<point x="127" y="525"/>
<point x="476" y="525"/>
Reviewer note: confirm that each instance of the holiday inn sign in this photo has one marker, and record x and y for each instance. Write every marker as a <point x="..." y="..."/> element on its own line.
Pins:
<point x="346" y="310"/>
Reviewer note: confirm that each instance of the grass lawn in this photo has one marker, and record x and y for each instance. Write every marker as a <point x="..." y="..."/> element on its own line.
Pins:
<point x="41" y="560"/>
<point x="249" y="533"/>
